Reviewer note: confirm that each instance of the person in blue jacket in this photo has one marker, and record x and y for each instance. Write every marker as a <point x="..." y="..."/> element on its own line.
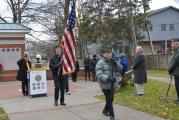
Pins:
<point x="124" y="62"/>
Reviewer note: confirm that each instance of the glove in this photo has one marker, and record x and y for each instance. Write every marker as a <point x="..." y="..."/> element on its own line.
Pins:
<point x="113" y="61"/>
<point x="170" y="72"/>
<point x="112" y="79"/>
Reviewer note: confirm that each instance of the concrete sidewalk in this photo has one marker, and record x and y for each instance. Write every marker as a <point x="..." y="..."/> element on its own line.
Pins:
<point x="81" y="105"/>
<point x="162" y="79"/>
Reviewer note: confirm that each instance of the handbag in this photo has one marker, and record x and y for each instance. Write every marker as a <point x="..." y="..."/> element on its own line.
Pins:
<point x="117" y="85"/>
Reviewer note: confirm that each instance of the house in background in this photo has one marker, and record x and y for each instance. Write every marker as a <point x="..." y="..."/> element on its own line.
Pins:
<point x="12" y="47"/>
<point x="164" y="27"/>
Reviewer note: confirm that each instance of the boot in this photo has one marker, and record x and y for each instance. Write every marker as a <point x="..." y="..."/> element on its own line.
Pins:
<point x="112" y="118"/>
<point x="55" y="103"/>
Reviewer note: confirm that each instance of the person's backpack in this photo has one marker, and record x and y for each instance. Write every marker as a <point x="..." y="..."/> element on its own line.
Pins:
<point x="124" y="63"/>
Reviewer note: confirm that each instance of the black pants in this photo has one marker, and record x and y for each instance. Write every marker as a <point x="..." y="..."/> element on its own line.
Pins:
<point x="66" y="83"/>
<point x="109" y="95"/>
<point x="74" y="76"/>
<point x="59" y="86"/>
<point x="25" y="87"/>
<point x="87" y="73"/>
<point x="94" y="75"/>
<point x="177" y="86"/>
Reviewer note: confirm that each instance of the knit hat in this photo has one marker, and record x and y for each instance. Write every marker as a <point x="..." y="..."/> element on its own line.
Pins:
<point x="25" y="55"/>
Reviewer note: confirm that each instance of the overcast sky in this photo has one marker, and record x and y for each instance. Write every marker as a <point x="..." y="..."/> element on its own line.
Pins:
<point x="156" y="4"/>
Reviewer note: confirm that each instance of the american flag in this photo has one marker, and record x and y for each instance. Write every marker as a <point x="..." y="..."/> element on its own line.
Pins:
<point x="68" y="43"/>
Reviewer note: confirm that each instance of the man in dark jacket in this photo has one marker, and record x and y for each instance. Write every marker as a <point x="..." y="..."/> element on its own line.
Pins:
<point x="140" y="71"/>
<point x="24" y="65"/>
<point x="87" y="63"/>
<point x="174" y="67"/>
<point x="56" y="68"/>
<point x="93" y="65"/>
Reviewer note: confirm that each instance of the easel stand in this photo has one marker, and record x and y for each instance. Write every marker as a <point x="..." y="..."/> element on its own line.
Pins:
<point x="37" y="82"/>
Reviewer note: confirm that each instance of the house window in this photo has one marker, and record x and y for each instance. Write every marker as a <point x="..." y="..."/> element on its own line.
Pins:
<point x="163" y="27"/>
<point x="171" y="27"/>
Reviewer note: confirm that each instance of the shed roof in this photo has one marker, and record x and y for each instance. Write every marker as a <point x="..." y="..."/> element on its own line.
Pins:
<point x="13" y="27"/>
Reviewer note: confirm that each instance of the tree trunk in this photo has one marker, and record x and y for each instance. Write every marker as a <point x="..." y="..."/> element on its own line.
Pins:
<point x="133" y="34"/>
<point x="66" y="10"/>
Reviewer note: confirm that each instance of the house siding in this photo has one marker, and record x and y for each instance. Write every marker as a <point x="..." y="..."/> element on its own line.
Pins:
<point x="167" y="16"/>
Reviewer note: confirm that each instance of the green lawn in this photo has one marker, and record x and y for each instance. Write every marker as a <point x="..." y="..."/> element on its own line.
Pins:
<point x="158" y="73"/>
<point x="152" y="102"/>
<point x="3" y="116"/>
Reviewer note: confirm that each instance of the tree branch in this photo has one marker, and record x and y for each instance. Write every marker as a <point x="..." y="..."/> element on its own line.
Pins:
<point x="3" y="19"/>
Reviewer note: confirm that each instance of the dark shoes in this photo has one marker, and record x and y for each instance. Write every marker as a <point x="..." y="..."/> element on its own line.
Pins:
<point x="26" y="94"/>
<point x="112" y="118"/>
<point x="62" y="104"/>
<point x="139" y="95"/>
<point x="68" y="93"/>
<point x="176" y="102"/>
<point x="106" y="113"/>
<point x="55" y="103"/>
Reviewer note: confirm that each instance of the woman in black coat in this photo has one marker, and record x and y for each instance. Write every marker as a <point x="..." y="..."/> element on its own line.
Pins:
<point x="24" y="65"/>
<point x="75" y="73"/>
<point x="140" y="71"/>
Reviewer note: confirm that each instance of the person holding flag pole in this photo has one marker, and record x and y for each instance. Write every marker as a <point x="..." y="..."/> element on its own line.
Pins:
<point x="64" y="60"/>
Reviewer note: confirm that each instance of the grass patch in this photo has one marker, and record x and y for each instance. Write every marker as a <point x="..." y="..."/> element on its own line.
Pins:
<point x="3" y="115"/>
<point x="158" y="73"/>
<point x="152" y="102"/>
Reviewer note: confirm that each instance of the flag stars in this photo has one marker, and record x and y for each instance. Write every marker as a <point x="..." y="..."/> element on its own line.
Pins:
<point x="72" y="16"/>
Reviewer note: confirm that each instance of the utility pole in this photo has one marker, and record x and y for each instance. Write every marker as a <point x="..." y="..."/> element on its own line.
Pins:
<point x="146" y="7"/>
<point x="134" y="40"/>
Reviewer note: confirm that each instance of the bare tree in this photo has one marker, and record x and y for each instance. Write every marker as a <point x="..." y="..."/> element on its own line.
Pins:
<point x="17" y="9"/>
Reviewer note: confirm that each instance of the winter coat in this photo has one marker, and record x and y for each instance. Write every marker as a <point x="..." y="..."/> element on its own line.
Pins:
<point x="124" y="62"/>
<point x="77" y="67"/>
<point x="22" y="72"/>
<point x="104" y="71"/>
<point x="140" y="70"/>
<point x="87" y="63"/>
<point x="55" y="65"/>
<point x="93" y="64"/>
<point x="174" y="64"/>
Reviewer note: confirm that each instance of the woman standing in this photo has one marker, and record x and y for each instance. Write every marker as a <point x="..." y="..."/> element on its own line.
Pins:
<point x="140" y="71"/>
<point x="24" y="65"/>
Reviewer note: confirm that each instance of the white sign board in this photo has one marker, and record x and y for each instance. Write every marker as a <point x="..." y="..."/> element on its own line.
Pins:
<point x="9" y="58"/>
<point x="38" y="82"/>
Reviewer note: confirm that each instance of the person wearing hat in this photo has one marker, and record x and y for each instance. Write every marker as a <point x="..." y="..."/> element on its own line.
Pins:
<point x="104" y="73"/>
<point x="56" y="67"/>
<point x="24" y="65"/>
<point x="174" y="67"/>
